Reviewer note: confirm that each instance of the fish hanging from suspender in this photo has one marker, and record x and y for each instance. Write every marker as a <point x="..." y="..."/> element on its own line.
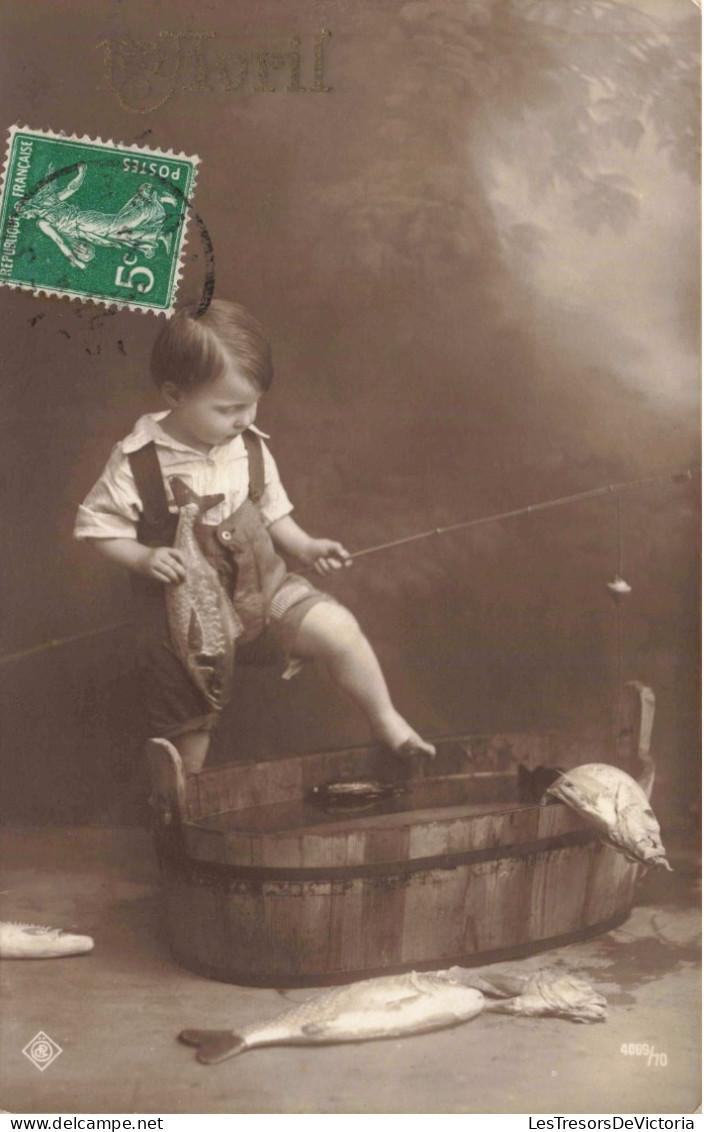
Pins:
<point x="203" y="623"/>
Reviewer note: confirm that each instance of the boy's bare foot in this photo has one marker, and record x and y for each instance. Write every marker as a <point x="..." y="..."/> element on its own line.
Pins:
<point x="396" y="734"/>
<point x="415" y="746"/>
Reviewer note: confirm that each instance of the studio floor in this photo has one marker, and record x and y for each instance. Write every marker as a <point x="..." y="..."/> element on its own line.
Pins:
<point x="116" y="1012"/>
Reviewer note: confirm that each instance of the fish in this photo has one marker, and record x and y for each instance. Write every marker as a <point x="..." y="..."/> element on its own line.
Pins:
<point x="549" y="991"/>
<point x="35" y="941"/>
<point x="345" y="794"/>
<point x="203" y="623"/>
<point x="388" y="1007"/>
<point x="614" y="803"/>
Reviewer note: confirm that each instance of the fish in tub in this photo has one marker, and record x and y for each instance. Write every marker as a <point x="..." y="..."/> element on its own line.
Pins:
<point x="616" y="805"/>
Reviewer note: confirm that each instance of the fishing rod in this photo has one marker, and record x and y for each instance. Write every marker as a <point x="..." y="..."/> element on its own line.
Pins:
<point x="497" y="517"/>
<point x="533" y="508"/>
<point x="60" y="641"/>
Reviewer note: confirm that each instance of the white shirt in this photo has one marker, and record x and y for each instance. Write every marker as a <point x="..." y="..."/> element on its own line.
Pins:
<point x="113" y="506"/>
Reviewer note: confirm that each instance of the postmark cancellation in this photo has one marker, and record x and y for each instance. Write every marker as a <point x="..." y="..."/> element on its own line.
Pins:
<point x="94" y="220"/>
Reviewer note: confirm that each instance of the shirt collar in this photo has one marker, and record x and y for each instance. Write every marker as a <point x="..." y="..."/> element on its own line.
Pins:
<point x="149" y="429"/>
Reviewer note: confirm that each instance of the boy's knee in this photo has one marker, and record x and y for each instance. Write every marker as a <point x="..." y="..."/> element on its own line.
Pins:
<point x="329" y="627"/>
<point x="338" y="623"/>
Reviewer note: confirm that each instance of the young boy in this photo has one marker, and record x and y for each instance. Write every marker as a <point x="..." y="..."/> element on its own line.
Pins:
<point x="211" y="372"/>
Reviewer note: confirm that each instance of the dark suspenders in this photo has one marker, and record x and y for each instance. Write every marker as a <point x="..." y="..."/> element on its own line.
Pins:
<point x="157" y="525"/>
<point x="255" y="456"/>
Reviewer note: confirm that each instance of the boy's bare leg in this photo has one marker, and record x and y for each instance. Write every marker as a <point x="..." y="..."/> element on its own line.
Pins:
<point x="193" y="746"/>
<point x="329" y="633"/>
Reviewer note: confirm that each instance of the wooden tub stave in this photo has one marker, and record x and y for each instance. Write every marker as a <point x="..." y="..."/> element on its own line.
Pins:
<point x="337" y="897"/>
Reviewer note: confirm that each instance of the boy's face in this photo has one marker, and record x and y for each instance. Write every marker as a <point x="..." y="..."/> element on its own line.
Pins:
<point x="214" y="413"/>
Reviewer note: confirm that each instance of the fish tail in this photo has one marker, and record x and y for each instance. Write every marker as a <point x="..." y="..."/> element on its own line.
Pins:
<point x="183" y="495"/>
<point x="213" y="1045"/>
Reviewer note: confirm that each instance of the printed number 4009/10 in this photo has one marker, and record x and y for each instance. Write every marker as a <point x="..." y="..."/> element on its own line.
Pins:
<point x="136" y="273"/>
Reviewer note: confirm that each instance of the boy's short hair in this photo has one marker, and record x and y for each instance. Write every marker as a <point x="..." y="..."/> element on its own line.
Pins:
<point x="192" y="351"/>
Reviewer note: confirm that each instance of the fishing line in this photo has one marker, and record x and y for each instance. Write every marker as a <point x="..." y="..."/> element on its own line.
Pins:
<point x="618" y="696"/>
<point x="60" y="641"/>
<point x="497" y="517"/>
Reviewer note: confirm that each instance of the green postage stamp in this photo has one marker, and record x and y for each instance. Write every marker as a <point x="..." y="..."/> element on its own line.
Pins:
<point x="93" y="220"/>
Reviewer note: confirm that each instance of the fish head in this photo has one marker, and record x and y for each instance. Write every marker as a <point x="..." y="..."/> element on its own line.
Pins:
<point x="651" y="853"/>
<point x="659" y="860"/>
<point x="21" y="940"/>
<point x="638" y="834"/>
<point x="567" y="994"/>
<point x="76" y="944"/>
<point x="58" y="937"/>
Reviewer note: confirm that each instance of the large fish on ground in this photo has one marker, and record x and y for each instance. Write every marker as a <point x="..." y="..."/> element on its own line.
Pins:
<point x="202" y="620"/>
<point x="614" y="803"/>
<point x="397" y="1006"/>
<point x="34" y="941"/>
<point x="389" y="1007"/>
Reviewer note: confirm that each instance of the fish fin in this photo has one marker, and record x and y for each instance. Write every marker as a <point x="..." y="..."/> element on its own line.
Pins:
<point x="183" y="494"/>
<point x="195" y="635"/>
<point x="213" y="1045"/>
<point x="498" y="984"/>
<point x="219" y="1049"/>
<point x="401" y="1003"/>
<point x="315" y="1029"/>
<point x="208" y="501"/>
<point x="196" y="1037"/>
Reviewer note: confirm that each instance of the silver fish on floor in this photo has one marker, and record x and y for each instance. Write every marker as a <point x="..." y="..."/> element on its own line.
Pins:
<point x="202" y="620"/>
<point x="388" y="1007"/>
<point x="614" y="803"/>
<point x="397" y="1006"/>
<point x="35" y="941"/>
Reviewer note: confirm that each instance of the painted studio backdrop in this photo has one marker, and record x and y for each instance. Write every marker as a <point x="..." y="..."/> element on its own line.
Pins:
<point x="471" y="230"/>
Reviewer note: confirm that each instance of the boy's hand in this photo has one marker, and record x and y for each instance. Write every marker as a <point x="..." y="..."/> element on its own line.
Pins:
<point x="165" y="564"/>
<point x="326" y="556"/>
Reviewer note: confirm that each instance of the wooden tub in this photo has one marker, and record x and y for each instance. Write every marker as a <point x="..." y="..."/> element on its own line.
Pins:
<point x="263" y="888"/>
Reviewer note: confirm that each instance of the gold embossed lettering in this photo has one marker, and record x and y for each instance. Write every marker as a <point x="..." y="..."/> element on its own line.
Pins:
<point x="233" y="69"/>
<point x="268" y="61"/>
<point x="319" y="64"/>
<point x="191" y="51"/>
<point x="143" y="75"/>
<point x="294" y="58"/>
